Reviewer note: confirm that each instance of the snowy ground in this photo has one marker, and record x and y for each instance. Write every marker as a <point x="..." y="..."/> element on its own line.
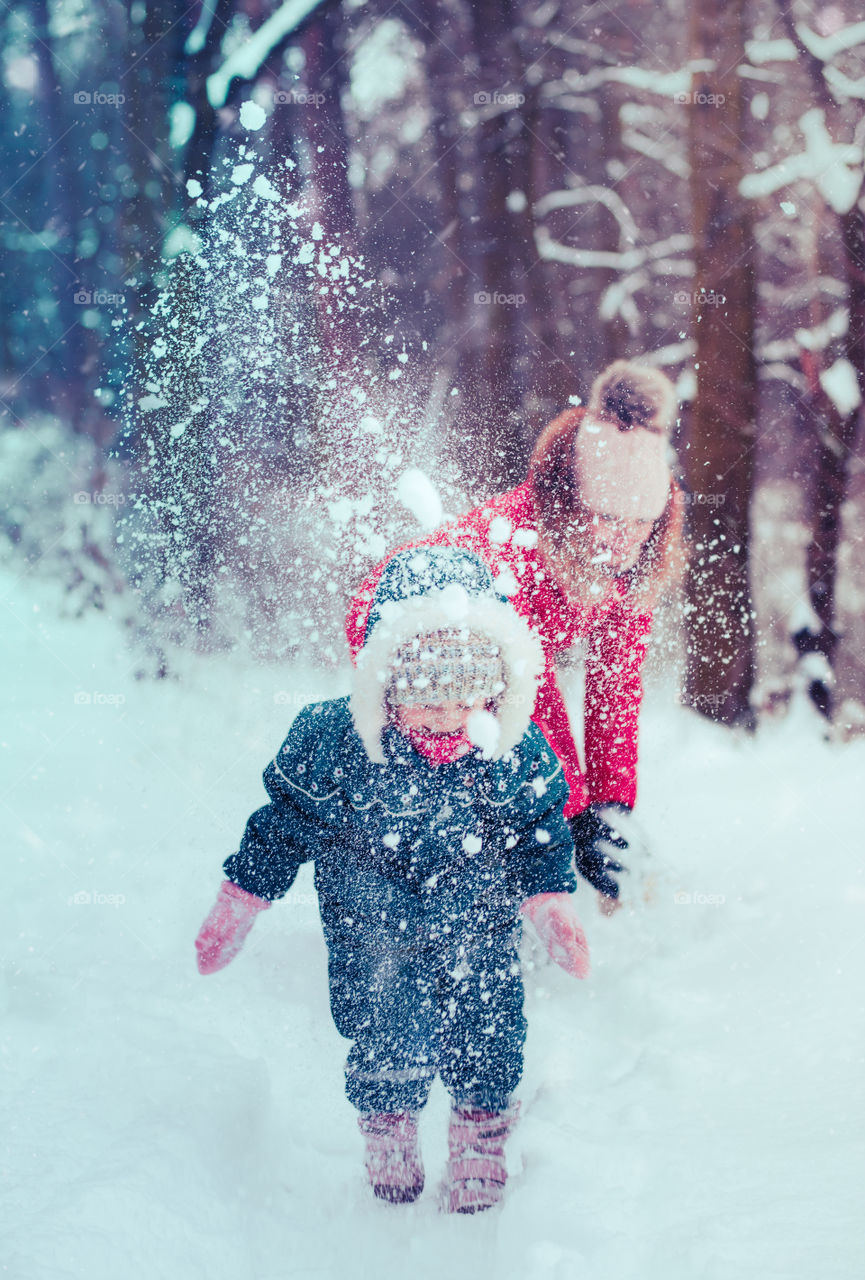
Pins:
<point x="693" y="1111"/>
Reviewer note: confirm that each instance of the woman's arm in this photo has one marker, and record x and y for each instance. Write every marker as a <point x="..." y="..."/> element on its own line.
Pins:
<point x="614" y="692"/>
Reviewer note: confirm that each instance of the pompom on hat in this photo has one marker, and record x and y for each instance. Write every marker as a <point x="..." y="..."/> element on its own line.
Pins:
<point x="620" y="453"/>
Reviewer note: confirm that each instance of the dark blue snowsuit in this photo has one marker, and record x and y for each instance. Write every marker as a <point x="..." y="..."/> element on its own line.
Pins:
<point x="420" y="870"/>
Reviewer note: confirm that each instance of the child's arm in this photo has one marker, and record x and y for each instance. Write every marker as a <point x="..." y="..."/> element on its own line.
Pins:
<point x="224" y="931"/>
<point x="546" y="870"/>
<point x="278" y="838"/>
<point x="559" y="929"/>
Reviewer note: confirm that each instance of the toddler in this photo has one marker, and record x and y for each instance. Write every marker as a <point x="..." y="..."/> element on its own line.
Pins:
<point x="432" y="809"/>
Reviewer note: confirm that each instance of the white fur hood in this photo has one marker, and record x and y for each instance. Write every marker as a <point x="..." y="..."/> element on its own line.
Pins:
<point x="450" y="606"/>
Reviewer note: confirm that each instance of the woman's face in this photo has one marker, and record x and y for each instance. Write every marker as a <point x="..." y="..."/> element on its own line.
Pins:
<point x="615" y="542"/>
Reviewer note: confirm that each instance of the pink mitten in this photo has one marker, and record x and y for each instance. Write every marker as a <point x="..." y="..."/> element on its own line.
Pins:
<point x="560" y="930"/>
<point x="224" y="931"/>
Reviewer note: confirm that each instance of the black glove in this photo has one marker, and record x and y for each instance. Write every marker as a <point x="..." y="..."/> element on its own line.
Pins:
<point x="596" y="838"/>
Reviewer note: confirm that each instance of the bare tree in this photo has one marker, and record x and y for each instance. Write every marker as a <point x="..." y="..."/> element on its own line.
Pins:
<point x="836" y="425"/>
<point x="719" y="452"/>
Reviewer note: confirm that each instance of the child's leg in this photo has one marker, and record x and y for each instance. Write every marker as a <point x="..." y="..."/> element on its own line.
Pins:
<point x="385" y="1003"/>
<point x="393" y="1161"/>
<point x="394" y="1058"/>
<point x="483" y="1032"/>
<point x="477" y="1171"/>
<point x="482" y="1026"/>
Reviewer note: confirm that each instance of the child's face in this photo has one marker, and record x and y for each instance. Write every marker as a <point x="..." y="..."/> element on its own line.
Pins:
<point x="447" y="717"/>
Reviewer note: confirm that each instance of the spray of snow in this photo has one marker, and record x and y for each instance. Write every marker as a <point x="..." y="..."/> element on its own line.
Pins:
<point x="418" y="494"/>
<point x="842" y="386"/>
<point x="252" y="116"/>
<point x="483" y="729"/>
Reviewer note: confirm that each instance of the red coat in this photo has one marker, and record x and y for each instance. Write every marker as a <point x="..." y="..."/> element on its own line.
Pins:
<point x="503" y="533"/>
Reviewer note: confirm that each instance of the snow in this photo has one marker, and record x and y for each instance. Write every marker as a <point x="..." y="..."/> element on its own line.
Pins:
<point x="418" y="494"/>
<point x="829" y="46"/>
<point x="252" y="116"/>
<point x="694" y="1109"/>
<point x="842" y="386"/>
<point x="482" y="729"/>
<point x="382" y="68"/>
<point x="196" y="39"/>
<point x="835" y="169"/>
<point x="245" y="60"/>
<point x="181" y="239"/>
<point x="182" y="124"/>
<point x="264" y="187"/>
<point x="152" y="401"/>
<point x="780" y="50"/>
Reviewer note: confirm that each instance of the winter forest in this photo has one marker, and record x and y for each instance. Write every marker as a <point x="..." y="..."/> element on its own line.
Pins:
<point x="287" y="285"/>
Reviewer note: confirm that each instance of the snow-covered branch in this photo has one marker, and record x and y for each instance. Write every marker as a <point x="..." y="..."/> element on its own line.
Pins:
<point x="834" y="168"/>
<point x="245" y="60"/>
<point x="631" y="115"/>
<point x="624" y="260"/>
<point x="827" y="47"/>
<point x="566" y="199"/>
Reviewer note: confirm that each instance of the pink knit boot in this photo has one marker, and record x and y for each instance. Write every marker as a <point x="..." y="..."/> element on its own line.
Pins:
<point x="477" y="1173"/>
<point x="392" y="1155"/>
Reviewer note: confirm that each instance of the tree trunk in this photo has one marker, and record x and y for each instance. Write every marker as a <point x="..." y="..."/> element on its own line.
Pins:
<point x="503" y="252"/>
<point x="718" y="455"/>
<point x="837" y="432"/>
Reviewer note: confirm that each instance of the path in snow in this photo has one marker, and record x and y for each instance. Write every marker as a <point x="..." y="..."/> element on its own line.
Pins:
<point x="693" y="1112"/>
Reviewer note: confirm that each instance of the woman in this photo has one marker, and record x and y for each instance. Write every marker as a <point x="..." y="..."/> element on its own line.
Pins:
<point x="584" y="548"/>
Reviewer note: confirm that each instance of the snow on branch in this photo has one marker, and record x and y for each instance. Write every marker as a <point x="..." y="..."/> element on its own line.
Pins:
<point x="564" y="100"/>
<point x="566" y="199"/>
<point x="835" y="168"/>
<point x="666" y="84"/>
<point x="624" y="260"/>
<point x="675" y="353"/>
<point x="827" y="47"/>
<point x="760" y="51"/>
<point x="842" y="86"/>
<point x="245" y="60"/>
<point x="631" y="115"/>
<point x="617" y="300"/>
<point x="817" y="338"/>
<point x="197" y="37"/>
<point x="824" y="48"/>
<point x="842" y="386"/>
